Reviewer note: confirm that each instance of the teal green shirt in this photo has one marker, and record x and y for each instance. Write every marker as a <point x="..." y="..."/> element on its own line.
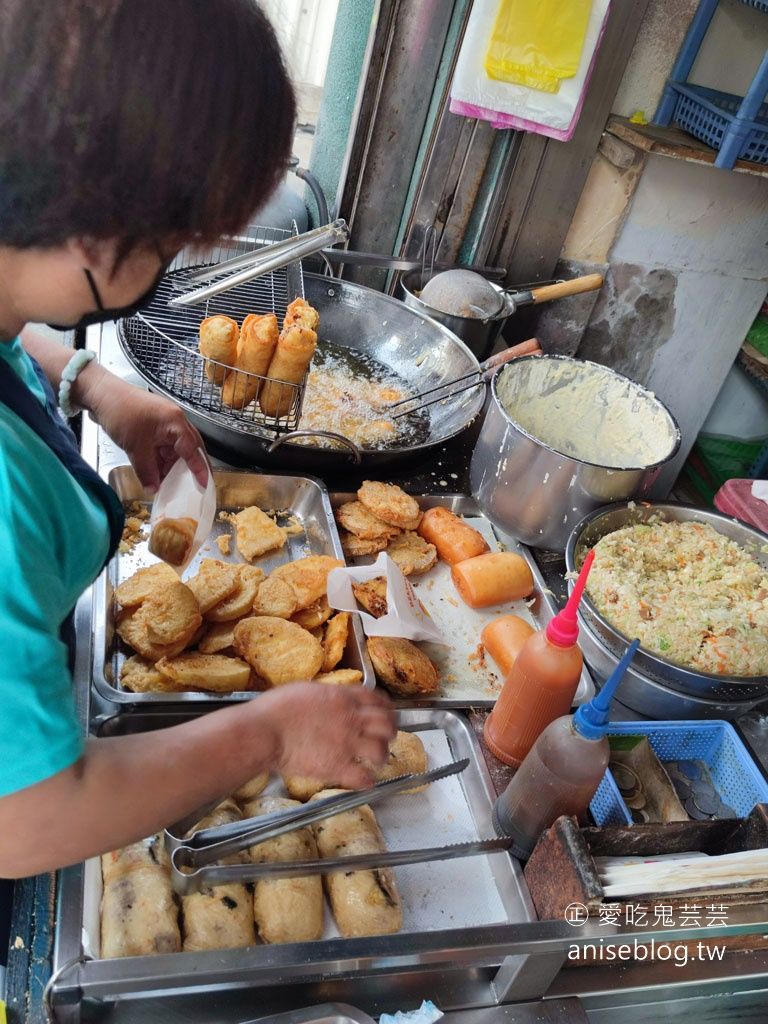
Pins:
<point x="54" y="538"/>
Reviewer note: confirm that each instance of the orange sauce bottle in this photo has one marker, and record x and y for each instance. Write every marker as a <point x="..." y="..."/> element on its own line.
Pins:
<point x="541" y="684"/>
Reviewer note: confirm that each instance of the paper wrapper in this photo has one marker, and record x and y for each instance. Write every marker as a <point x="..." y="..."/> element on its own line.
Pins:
<point x="760" y="490"/>
<point x="181" y="496"/>
<point x="405" y="616"/>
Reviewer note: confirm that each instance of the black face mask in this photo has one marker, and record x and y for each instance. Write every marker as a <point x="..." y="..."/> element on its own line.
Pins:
<point x="100" y="314"/>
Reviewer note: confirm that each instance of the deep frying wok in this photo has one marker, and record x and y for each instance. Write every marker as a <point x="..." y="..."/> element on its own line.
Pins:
<point x="419" y="350"/>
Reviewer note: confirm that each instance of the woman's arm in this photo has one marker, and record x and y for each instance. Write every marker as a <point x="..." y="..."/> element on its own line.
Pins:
<point x="151" y="430"/>
<point x="126" y="788"/>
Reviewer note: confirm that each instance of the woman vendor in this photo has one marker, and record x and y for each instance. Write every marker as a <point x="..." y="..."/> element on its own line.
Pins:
<point x="128" y="129"/>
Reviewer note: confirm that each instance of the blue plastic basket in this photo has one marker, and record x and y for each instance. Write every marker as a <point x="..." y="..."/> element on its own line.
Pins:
<point x="708" y="115"/>
<point x="734" y="774"/>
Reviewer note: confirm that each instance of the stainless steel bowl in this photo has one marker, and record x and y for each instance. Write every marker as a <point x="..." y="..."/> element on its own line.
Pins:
<point x="650" y="671"/>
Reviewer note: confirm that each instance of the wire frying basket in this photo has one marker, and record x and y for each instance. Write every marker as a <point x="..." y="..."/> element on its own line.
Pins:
<point x="162" y="341"/>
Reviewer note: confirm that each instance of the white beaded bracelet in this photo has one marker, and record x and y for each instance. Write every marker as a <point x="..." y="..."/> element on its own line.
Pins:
<point x="69" y="375"/>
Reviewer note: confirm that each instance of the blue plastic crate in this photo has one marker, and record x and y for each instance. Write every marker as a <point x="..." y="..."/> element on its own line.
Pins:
<point x="709" y="115"/>
<point x="734" y="774"/>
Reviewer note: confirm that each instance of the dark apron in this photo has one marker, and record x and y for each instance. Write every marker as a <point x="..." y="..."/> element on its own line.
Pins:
<point x="60" y="438"/>
<point x="58" y="435"/>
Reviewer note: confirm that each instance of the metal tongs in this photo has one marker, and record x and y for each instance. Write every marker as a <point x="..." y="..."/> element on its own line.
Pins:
<point x="259" y="262"/>
<point x="193" y="859"/>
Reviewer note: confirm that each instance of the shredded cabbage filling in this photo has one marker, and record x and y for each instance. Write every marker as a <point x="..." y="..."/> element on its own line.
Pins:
<point x="691" y="595"/>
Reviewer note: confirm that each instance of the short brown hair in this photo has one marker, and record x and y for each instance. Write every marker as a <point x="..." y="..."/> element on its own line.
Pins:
<point x="138" y="119"/>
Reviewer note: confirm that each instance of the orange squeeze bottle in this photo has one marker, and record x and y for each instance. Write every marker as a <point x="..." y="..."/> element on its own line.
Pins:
<point x="541" y="684"/>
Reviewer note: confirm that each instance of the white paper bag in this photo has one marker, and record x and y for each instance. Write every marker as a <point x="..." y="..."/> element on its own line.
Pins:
<point x="181" y="496"/>
<point x="405" y="617"/>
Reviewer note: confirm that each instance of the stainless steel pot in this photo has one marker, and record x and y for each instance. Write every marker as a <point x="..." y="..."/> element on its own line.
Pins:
<point x="481" y="333"/>
<point x="561" y="438"/>
<point x="478" y="335"/>
<point x="652" y="680"/>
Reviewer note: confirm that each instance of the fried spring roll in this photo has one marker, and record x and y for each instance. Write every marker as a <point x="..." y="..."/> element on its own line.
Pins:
<point x="139" y="914"/>
<point x="293" y="354"/>
<point x="218" y="341"/>
<point x="363" y="902"/>
<point x="300" y="312"/>
<point x="285" y="909"/>
<point x="258" y="340"/>
<point x="221" y="916"/>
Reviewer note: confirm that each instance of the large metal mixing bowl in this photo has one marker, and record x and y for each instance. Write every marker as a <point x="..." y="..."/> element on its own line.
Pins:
<point x="651" y="679"/>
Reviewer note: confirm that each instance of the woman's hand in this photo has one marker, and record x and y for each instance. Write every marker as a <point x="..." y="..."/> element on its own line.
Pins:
<point x="152" y="431"/>
<point x="332" y="733"/>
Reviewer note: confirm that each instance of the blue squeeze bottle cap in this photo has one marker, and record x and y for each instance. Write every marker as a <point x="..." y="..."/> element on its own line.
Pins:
<point x="591" y="720"/>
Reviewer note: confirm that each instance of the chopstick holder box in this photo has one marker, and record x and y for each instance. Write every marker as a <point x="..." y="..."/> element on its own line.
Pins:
<point x="562" y="870"/>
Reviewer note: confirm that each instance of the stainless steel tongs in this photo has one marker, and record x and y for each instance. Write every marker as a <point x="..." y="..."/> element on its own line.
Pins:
<point x="259" y="262"/>
<point x="193" y="859"/>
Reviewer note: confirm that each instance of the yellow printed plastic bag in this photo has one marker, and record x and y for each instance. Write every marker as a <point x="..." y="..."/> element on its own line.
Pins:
<point x="537" y="43"/>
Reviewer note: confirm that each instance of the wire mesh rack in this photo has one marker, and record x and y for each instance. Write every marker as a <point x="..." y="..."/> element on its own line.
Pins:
<point x="162" y="341"/>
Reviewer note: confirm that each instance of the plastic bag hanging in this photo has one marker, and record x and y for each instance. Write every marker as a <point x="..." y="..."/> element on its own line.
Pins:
<point x="537" y="43"/>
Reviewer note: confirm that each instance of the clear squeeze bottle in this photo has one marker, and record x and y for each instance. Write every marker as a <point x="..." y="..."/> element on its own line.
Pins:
<point x="561" y="773"/>
<point x="541" y="684"/>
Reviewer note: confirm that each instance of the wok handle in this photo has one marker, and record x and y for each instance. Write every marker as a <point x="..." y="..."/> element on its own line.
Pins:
<point x="356" y="454"/>
<point x="525" y="348"/>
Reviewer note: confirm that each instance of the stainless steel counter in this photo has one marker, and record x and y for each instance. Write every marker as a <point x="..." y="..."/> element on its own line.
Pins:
<point x="514" y="963"/>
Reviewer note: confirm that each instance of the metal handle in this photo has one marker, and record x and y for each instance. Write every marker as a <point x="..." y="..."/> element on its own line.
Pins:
<point x="185" y="881"/>
<point x="355" y="451"/>
<point x="262" y="261"/>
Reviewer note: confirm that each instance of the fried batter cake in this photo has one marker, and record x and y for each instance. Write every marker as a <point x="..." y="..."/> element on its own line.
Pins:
<point x="131" y="626"/>
<point x="411" y="553"/>
<point x="357" y="518"/>
<point x="356" y="547"/>
<point x="402" y="667"/>
<point x="217" y="637"/>
<point x="140" y="676"/>
<point x="171" y="613"/>
<point x="215" y="580"/>
<point x="279" y="651"/>
<point x="334" y="640"/>
<point x="340" y="677"/>
<point x="372" y="595"/>
<point x="308" y="577"/>
<point x="240" y="601"/>
<point x="390" y="503"/>
<point x="196" y="671"/>
<point x="314" y="614"/>
<point x="276" y="597"/>
<point x="139" y="586"/>
<point x="257" y="533"/>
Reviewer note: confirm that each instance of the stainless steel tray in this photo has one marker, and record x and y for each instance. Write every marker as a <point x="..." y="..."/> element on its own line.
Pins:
<point x="466" y="679"/>
<point x="301" y="502"/>
<point x="457" y="913"/>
